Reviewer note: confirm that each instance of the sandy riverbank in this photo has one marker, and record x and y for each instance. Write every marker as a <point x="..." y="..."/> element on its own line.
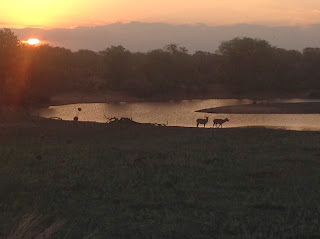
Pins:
<point x="270" y="108"/>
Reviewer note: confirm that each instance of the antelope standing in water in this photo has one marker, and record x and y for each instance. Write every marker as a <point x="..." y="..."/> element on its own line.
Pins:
<point x="217" y="122"/>
<point x="202" y="121"/>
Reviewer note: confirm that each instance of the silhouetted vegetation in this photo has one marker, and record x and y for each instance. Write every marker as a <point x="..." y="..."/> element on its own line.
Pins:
<point x="32" y="75"/>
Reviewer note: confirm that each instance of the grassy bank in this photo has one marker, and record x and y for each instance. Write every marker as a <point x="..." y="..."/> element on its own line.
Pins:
<point x="142" y="181"/>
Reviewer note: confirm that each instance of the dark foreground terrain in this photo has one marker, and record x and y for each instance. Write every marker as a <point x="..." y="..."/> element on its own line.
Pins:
<point x="123" y="180"/>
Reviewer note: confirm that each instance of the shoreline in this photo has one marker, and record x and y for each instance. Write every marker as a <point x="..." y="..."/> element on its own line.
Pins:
<point x="118" y="97"/>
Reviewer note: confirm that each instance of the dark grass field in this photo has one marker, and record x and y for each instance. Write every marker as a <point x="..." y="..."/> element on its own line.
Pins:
<point x="141" y="181"/>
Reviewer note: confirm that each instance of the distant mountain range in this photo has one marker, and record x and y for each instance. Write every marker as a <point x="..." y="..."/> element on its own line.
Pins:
<point x="140" y="36"/>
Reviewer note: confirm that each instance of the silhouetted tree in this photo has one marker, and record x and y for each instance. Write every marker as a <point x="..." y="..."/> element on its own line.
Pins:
<point x="311" y="65"/>
<point x="12" y="79"/>
<point x="49" y="72"/>
<point x="33" y="74"/>
<point x="248" y="63"/>
<point x="117" y="63"/>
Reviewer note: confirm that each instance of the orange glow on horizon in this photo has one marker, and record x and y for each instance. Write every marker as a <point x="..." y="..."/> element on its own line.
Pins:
<point x="64" y="14"/>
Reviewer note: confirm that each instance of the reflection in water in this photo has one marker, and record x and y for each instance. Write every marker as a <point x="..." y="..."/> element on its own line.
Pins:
<point x="182" y="113"/>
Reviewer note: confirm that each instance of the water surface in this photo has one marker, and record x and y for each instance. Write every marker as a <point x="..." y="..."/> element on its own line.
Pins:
<point x="182" y="113"/>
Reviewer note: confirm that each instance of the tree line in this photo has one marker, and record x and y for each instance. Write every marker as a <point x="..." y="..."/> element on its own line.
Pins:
<point x="31" y="75"/>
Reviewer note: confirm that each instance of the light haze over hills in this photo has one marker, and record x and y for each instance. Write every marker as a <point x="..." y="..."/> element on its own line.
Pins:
<point x="140" y="36"/>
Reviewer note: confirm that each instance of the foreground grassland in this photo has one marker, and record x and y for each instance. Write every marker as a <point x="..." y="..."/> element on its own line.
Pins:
<point x="142" y="181"/>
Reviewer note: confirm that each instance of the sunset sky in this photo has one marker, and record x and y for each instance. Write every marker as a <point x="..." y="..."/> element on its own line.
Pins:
<point x="72" y="13"/>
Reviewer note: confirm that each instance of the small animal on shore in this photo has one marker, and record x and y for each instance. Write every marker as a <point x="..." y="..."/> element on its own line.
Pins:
<point x="202" y="121"/>
<point x="217" y="122"/>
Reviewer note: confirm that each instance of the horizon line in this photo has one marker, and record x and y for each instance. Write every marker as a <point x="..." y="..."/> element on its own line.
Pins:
<point x="165" y="23"/>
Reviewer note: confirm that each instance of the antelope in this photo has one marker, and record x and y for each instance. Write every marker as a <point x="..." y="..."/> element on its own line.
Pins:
<point x="202" y="121"/>
<point x="217" y="122"/>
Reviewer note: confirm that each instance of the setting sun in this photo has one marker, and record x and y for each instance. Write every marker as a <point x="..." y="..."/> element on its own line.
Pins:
<point x="33" y="41"/>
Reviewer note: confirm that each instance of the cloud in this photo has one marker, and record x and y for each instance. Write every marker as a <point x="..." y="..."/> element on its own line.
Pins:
<point x="316" y="11"/>
<point x="33" y="26"/>
<point x="4" y="23"/>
